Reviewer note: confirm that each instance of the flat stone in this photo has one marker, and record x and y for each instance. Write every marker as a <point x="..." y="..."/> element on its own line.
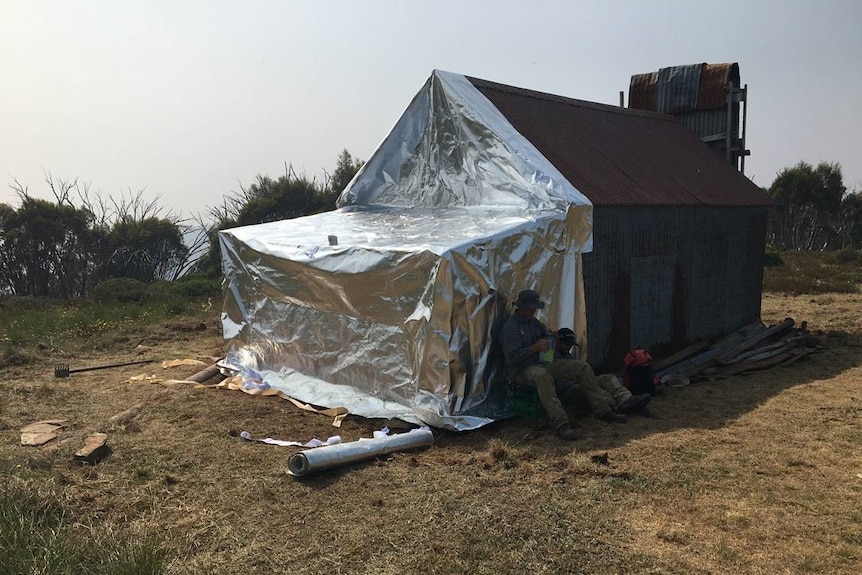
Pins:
<point x="31" y="438"/>
<point x="45" y="426"/>
<point x="42" y="432"/>
<point x="95" y="449"/>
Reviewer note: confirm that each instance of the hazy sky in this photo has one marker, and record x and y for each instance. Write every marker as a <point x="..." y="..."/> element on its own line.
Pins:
<point x="187" y="100"/>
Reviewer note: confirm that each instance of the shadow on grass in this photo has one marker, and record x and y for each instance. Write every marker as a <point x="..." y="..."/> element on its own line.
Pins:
<point x="700" y="405"/>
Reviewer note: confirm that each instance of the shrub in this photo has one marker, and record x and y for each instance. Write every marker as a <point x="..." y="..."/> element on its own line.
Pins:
<point x="176" y="306"/>
<point x="772" y="257"/>
<point x="197" y="285"/>
<point x="10" y="355"/>
<point x="122" y="290"/>
<point x="845" y="256"/>
<point x="189" y="287"/>
<point x="162" y="290"/>
<point x="808" y="272"/>
<point x="21" y="303"/>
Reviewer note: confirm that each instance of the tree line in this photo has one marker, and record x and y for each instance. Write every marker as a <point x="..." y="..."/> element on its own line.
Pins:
<point x="814" y="211"/>
<point x="65" y="247"/>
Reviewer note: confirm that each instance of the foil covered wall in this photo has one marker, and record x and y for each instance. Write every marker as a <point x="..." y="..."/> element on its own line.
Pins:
<point x="388" y="305"/>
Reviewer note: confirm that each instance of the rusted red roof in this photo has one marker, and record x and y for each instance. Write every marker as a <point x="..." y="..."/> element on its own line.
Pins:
<point x="683" y="88"/>
<point x="620" y="156"/>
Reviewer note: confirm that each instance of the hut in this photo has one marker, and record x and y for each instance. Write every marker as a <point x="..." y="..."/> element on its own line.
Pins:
<point x="634" y="231"/>
<point x="679" y="234"/>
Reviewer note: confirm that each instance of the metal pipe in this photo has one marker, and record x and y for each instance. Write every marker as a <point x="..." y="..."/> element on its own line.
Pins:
<point x="327" y="457"/>
<point x="744" y="114"/>
<point x="728" y="140"/>
<point x="62" y="369"/>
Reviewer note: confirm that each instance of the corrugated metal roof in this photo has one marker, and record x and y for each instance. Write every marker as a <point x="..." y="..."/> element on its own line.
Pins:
<point x="678" y="88"/>
<point x="623" y="157"/>
<point x="642" y="92"/>
<point x="683" y="88"/>
<point x="714" y="79"/>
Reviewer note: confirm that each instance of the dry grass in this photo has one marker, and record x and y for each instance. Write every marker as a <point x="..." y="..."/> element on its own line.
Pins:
<point x="754" y="474"/>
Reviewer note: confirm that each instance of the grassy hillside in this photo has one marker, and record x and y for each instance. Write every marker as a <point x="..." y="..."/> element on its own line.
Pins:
<point x="814" y="273"/>
<point x="752" y="474"/>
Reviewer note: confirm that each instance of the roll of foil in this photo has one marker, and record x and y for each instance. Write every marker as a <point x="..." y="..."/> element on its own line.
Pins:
<point x="321" y="458"/>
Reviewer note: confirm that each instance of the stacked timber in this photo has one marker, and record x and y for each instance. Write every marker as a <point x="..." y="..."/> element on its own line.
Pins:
<point x="751" y="348"/>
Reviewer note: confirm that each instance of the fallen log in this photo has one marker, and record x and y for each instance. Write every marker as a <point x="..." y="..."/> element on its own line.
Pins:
<point x="747" y="366"/>
<point x="762" y="354"/>
<point x="206" y="374"/>
<point x="763" y="349"/>
<point x="699" y="362"/>
<point x="747" y="344"/>
<point x="800" y="353"/>
<point x="126" y="415"/>
<point x="682" y="354"/>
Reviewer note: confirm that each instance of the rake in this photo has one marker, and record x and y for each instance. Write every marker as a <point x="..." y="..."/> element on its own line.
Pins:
<point x="62" y="369"/>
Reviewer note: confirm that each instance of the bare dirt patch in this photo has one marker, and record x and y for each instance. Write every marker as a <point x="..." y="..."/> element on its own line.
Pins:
<point x="752" y="474"/>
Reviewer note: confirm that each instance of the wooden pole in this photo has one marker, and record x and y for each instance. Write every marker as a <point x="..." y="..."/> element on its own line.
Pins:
<point x="206" y="374"/>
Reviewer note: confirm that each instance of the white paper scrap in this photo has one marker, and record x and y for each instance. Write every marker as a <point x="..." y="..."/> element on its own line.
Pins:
<point x="311" y="443"/>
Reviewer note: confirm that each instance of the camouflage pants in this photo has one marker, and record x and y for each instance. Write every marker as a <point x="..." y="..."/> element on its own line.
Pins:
<point x="570" y="393"/>
<point x="545" y="378"/>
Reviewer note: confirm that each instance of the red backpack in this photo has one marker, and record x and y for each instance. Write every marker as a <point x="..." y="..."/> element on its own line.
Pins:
<point x="637" y="373"/>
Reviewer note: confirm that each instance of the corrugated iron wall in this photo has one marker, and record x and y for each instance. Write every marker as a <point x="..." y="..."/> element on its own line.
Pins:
<point x="664" y="277"/>
<point x="707" y="123"/>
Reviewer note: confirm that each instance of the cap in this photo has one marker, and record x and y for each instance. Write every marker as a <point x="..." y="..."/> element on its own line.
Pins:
<point x="529" y="299"/>
<point x="566" y="336"/>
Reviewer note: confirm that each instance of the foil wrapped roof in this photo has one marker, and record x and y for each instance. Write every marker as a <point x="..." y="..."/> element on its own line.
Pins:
<point x="389" y="305"/>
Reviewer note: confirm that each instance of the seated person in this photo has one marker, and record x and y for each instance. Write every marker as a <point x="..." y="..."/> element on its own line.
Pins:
<point x="621" y="398"/>
<point x="523" y="338"/>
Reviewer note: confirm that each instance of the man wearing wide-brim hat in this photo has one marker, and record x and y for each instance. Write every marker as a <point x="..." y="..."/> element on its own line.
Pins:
<point x="523" y="339"/>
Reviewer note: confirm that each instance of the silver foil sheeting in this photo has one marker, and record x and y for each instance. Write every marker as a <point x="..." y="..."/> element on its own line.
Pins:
<point x="388" y="305"/>
<point x="321" y="458"/>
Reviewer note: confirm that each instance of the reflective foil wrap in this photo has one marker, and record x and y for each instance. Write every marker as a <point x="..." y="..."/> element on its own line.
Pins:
<point x="389" y="304"/>
<point x="327" y="457"/>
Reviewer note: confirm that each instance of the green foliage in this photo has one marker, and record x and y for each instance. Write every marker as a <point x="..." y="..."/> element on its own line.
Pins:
<point x="844" y="256"/>
<point x="61" y="250"/>
<point x="772" y="257"/>
<point x="120" y="290"/>
<point x="175" y="306"/>
<point x="28" y="332"/>
<point x="287" y="197"/>
<point x="345" y="168"/>
<point x="170" y="298"/>
<point x="37" y="535"/>
<point x="808" y="215"/>
<point x="45" y="249"/>
<point x="147" y="249"/>
<point x="160" y="291"/>
<point x="267" y="200"/>
<point x="22" y="303"/>
<point x="807" y="272"/>
<point x="210" y="264"/>
<point x="198" y="285"/>
<point x="850" y="221"/>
